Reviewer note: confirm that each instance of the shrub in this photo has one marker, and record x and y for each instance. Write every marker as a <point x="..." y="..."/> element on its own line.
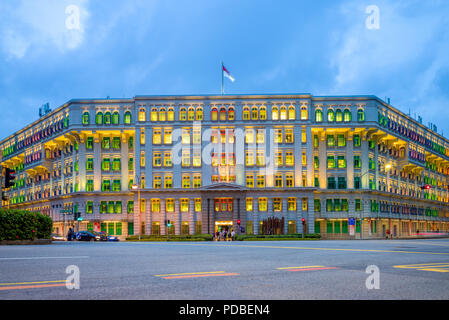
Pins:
<point x="295" y="236"/>
<point x="194" y="237"/>
<point x="24" y="225"/>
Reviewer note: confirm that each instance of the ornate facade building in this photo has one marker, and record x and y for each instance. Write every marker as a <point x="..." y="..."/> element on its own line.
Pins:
<point x="344" y="167"/>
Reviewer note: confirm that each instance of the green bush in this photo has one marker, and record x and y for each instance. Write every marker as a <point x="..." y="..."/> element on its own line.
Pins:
<point x="295" y="236"/>
<point x="24" y="225"/>
<point x="195" y="237"/>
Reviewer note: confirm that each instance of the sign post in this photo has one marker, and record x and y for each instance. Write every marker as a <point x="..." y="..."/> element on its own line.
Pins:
<point x="351" y="224"/>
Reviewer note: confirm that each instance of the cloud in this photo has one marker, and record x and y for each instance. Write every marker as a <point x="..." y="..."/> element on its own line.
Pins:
<point x="35" y="26"/>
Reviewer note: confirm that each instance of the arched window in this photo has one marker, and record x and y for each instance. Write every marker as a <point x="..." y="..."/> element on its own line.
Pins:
<point x="246" y="113"/>
<point x="254" y="113"/>
<point x="274" y="113"/>
<point x="347" y="115"/>
<point x="283" y="113"/>
<point x="171" y="114"/>
<point x="330" y="115"/>
<point x="99" y="118"/>
<point x="214" y="114"/>
<point x="127" y="118"/>
<point x="231" y="114"/>
<point x="115" y="117"/>
<point x="162" y="114"/>
<point x="318" y="115"/>
<point x="199" y="114"/>
<point x="222" y="114"/>
<point x="182" y="114"/>
<point x="291" y="113"/>
<point x="107" y="118"/>
<point x="360" y="115"/>
<point x="86" y="118"/>
<point x="191" y="114"/>
<point x="142" y="114"/>
<point x="153" y="114"/>
<point x="338" y="115"/>
<point x="304" y="113"/>
<point x="263" y="113"/>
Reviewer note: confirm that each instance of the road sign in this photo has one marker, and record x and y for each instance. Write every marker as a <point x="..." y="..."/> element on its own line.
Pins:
<point x="351" y="221"/>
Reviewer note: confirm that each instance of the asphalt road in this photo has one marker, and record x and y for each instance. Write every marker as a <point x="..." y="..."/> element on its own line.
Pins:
<point x="287" y="270"/>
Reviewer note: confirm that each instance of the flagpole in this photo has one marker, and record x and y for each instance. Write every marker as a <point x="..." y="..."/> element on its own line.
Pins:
<point x="222" y="79"/>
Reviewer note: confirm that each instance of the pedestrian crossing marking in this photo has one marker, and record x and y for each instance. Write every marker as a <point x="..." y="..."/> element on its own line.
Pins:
<point x="434" y="267"/>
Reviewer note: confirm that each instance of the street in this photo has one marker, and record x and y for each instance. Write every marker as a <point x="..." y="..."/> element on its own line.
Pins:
<point x="284" y="270"/>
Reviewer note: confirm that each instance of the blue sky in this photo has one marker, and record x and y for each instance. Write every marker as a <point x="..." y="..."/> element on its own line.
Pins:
<point x="143" y="47"/>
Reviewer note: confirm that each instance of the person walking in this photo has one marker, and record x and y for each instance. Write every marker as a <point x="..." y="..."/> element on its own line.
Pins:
<point x="69" y="235"/>
<point x="232" y="235"/>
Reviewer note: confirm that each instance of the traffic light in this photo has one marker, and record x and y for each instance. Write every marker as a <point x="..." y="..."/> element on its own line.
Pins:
<point x="426" y="187"/>
<point x="303" y="221"/>
<point x="168" y="223"/>
<point x="238" y="222"/>
<point x="4" y="196"/>
<point x="77" y="216"/>
<point x="9" y="178"/>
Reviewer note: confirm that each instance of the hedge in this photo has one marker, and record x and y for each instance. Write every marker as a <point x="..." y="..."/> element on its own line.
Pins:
<point x="24" y="225"/>
<point x="195" y="237"/>
<point x="293" y="236"/>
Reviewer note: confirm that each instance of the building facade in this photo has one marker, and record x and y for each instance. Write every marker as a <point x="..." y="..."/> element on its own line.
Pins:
<point x="344" y="167"/>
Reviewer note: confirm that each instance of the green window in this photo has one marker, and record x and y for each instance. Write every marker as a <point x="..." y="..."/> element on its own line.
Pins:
<point x="338" y="115"/>
<point x="89" y="164"/>
<point x="336" y="226"/>
<point x="116" y="143"/>
<point x="357" y="226"/>
<point x="341" y="140"/>
<point x="116" y="186"/>
<point x="106" y="186"/>
<point x="103" y="207"/>
<point x="329" y="228"/>
<point x="106" y="143"/>
<point x="317" y="205"/>
<point x="118" y="229"/>
<point x="111" y="228"/>
<point x="329" y="205"/>
<point x="127" y="119"/>
<point x="131" y="142"/>
<point x="337" y="205"/>
<point x="99" y="118"/>
<point x="130" y="207"/>
<point x="118" y="207"/>
<point x="344" y="226"/>
<point x="360" y="115"/>
<point x="103" y="227"/>
<point x="130" y="228"/>
<point x="115" y="118"/>
<point x="347" y="116"/>
<point x="372" y="164"/>
<point x="116" y="166"/>
<point x="331" y="183"/>
<point x="358" y="205"/>
<point x="341" y="183"/>
<point x="316" y="162"/>
<point x="341" y="162"/>
<point x="330" y="115"/>
<point x="106" y="164"/>
<point x="357" y="162"/>
<point x="371" y="144"/>
<point x="90" y="143"/>
<point x="315" y="141"/>
<point x="317" y="182"/>
<point x="107" y="118"/>
<point x="317" y="227"/>
<point x="344" y="205"/>
<point x="330" y="141"/>
<point x="89" y="207"/>
<point x="90" y="186"/>
<point x="86" y="119"/>
<point x="90" y="226"/>
<point x="111" y="207"/>
<point x="76" y="166"/>
<point x="357" y="183"/>
<point x="318" y="115"/>
<point x="356" y="140"/>
<point x="131" y="164"/>
<point x="330" y="162"/>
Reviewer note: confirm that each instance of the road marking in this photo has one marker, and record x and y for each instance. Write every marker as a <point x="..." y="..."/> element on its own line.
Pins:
<point x="306" y="268"/>
<point x="434" y="267"/>
<point x="196" y="275"/>
<point x="310" y="248"/>
<point x="39" y="258"/>
<point x="32" y="286"/>
<point x="34" y="282"/>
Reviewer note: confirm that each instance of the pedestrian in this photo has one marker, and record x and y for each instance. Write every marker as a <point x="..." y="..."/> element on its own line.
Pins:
<point x="69" y="235"/>
<point x="232" y="235"/>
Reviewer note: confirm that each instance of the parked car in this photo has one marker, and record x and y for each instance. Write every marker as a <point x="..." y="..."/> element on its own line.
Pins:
<point x="103" y="236"/>
<point x="87" y="236"/>
<point x="57" y="237"/>
<point x="113" y="238"/>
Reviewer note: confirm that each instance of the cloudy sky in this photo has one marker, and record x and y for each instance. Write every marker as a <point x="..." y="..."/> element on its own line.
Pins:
<point x="56" y="50"/>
